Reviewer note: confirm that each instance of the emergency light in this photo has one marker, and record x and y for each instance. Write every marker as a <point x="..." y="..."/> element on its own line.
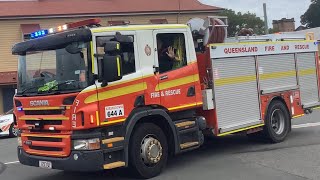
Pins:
<point x="45" y="32"/>
<point x="39" y="34"/>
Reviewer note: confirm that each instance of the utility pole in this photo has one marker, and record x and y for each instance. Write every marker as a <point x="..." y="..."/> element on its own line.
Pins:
<point x="265" y="18"/>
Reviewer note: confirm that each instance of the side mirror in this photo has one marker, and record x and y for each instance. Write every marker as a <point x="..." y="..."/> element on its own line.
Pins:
<point x="123" y="38"/>
<point x="111" y="46"/>
<point x="110" y="69"/>
<point x="73" y="49"/>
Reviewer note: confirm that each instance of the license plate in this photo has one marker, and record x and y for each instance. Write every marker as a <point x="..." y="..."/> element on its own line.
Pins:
<point x="45" y="164"/>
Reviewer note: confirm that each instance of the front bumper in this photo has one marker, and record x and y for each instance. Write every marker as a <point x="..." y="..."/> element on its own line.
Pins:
<point x="88" y="161"/>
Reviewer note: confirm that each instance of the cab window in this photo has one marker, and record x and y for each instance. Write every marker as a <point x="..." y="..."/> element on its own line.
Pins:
<point x="171" y="51"/>
<point x="127" y="53"/>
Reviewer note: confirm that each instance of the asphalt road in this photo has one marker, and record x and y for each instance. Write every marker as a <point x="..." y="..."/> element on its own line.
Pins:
<point x="229" y="158"/>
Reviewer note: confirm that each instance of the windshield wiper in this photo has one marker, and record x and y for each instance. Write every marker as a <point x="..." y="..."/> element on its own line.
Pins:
<point x="59" y="84"/>
<point x="28" y="89"/>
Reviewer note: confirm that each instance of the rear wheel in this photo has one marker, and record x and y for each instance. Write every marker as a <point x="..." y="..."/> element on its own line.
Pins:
<point x="148" y="151"/>
<point x="13" y="132"/>
<point x="277" y="122"/>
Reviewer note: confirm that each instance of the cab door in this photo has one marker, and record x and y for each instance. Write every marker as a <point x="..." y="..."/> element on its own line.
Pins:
<point x="176" y="83"/>
<point x="117" y="100"/>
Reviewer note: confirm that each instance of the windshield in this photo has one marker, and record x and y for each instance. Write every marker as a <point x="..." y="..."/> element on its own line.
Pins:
<point x="57" y="70"/>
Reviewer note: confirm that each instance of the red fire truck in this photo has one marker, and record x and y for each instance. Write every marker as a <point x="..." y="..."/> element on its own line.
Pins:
<point x="92" y="98"/>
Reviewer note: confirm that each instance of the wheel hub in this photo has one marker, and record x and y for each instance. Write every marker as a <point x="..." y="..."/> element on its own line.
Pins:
<point x="151" y="150"/>
<point x="15" y="131"/>
<point x="277" y="121"/>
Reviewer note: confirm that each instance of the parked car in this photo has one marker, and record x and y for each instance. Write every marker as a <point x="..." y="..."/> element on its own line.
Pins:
<point x="7" y="127"/>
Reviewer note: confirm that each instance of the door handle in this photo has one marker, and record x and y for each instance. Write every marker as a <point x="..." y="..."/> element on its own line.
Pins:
<point x="191" y="91"/>
<point x="164" y="77"/>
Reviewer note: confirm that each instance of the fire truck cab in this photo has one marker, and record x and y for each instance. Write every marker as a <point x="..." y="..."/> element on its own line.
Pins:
<point x="95" y="98"/>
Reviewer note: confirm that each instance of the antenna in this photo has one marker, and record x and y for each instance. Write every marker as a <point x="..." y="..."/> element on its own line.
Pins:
<point x="265" y="18"/>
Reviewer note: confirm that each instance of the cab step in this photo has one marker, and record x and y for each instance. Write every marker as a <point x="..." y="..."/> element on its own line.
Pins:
<point x="185" y="124"/>
<point x="188" y="145"/>
<point x="114" y="165"/>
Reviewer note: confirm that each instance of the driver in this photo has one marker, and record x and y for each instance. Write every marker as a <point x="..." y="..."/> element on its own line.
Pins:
<point x="171" y="57"/>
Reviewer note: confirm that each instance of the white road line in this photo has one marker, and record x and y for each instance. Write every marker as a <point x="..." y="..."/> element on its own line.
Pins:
<point x="13" y="162"/>
<point x="306" y="125"/>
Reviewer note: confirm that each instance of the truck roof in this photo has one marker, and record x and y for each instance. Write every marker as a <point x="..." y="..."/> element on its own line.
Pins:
<point x="139" y="27"/>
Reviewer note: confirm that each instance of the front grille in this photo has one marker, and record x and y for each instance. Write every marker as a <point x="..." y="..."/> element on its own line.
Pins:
<point x="57" y="122"/>
<point x="43" y="112"/>
<point x="50" y="145"/>
<point x="45" y="148"/>
<point x="45" y="139"/>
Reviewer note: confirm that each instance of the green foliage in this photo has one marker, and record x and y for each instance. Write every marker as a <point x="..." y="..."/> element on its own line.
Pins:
<point x="239" y="20"/>
<point x="272" y="30"/>
<point x="311" y="18"/>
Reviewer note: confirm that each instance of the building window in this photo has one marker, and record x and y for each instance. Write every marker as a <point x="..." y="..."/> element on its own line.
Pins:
<point x="127" y="53"/>
<point x="171" y="51"/>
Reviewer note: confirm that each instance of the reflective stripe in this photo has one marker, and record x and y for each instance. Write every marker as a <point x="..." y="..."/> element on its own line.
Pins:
<point x="118" y="66"/>
<point x="177" y="82"/>
<point x="277" y="75"/>
<point x="185" y="106"/>
<point x="116" y="83"/>
<point x="44" y="118"/>
<point x="97" y="117"/>
<point x="306" y="72"/>
<point x="92" y="57"/>
<point x="297" y="116"/>
<point x="234" y="80"/>
<point x="47" y="108"/>
<point x="108" y="94"/>
<point x="242" y="129"/>
<point x="244" y="79"/>
<point x="113" y="122"/>
<point x="138" y="27"/>
<point x="316" y="108"/>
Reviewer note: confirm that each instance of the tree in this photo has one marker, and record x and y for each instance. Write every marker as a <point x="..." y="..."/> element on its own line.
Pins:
<point x="237" y="21"/>
<point x="311" y="18"/>
<point x="272" y="30"/>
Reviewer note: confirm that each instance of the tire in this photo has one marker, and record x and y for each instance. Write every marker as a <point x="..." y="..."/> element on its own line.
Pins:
<point x="139" y="164"/>
<point x="277" y="122"/>
<point x="13" y="132"/>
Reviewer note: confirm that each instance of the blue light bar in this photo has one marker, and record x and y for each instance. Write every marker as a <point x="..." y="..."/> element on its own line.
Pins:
<point x="39" y="34"/>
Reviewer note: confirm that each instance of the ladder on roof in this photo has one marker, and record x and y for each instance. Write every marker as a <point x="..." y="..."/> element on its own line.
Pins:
<point x="268" y="38"/>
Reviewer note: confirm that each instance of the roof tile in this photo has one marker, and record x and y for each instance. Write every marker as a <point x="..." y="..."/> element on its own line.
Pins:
<point x="87" y="7"/>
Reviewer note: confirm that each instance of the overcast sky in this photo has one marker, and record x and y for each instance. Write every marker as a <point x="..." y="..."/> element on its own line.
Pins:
<point x="276" y="9"/>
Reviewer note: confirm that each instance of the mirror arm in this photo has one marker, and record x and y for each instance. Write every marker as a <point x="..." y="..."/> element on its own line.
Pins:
<point x="98" y="55"/>
<point x="155" y="69"/>
<point x="104" y="84"/>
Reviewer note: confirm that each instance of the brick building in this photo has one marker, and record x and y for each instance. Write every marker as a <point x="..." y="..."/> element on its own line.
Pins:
<point x="284" y="25"/>
<point x="19" y="17"/>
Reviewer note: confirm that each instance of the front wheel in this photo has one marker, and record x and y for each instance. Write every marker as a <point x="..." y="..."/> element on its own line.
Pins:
<point x="13" y="132"/>
<point x="148" y="151"/>
<point x="277" y="122"/>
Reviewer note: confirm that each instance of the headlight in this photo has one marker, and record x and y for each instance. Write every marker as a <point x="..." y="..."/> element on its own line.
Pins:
<point x="86" y="144"/>
<point x="19" y="141"/>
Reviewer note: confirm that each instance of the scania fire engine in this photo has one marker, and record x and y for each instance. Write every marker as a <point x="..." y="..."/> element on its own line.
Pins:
<point x="93" y="98"/>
